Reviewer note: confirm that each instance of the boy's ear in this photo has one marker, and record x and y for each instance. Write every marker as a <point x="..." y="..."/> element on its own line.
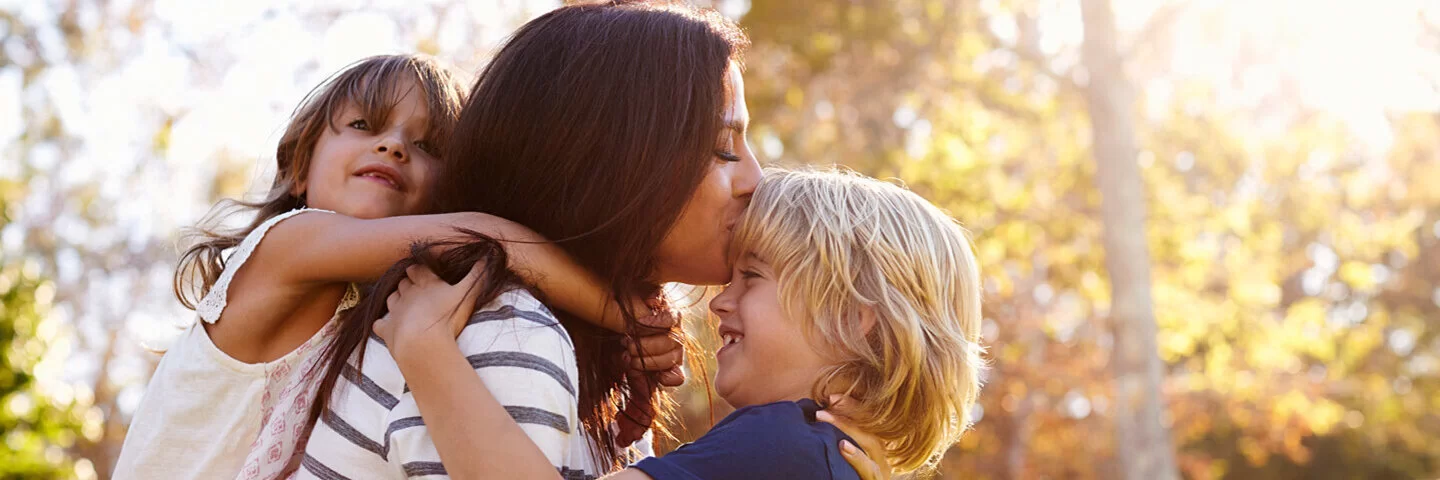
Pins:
<point x="868" y="319"/>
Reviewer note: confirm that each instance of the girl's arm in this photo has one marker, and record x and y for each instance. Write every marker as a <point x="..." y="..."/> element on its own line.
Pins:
<point x="322" y="247"/>
<point x="474" y="435"/>
<point x="318" y="248"/>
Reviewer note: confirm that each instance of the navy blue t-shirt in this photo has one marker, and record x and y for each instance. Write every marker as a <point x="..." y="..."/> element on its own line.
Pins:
<point x="779" y="440"/>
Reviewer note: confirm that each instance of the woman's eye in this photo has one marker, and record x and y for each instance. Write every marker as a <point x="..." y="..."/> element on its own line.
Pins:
<point x="727" y="156"/>
<point x="358" y="124"/>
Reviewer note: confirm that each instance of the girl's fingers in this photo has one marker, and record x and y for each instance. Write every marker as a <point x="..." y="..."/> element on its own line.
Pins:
<point x="476" y="272"/>
<point x="420" y="274"/>
<point x="658" y="363"/>
<point x="651" y="345"/>
<point x="471" y="282"/>
<point x="673" y="377"/>
<point x="392" y="301"/>
<point x="403" y="288"/>
<point x="659" y="318"/>
<point x="383" y="328"/>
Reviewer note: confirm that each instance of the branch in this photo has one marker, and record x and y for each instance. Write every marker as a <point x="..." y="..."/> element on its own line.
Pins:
<point x="1159" y="21"/>
<point x="1036" y="59"/>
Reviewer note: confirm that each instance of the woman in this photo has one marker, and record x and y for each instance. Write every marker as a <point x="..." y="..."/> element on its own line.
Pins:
<point x="616" y="129"/>
<point x="843" y="286"/>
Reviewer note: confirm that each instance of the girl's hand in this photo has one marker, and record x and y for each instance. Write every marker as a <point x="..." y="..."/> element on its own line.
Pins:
<point x="663" y="355"/>
<point x="424" y="308"/>
<point x="658" y="347"/>
<point x="639" y="413"/>
<point x="869" y="467"/>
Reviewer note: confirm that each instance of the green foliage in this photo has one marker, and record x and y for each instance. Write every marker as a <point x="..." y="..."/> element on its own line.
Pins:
<point x="34" y="429"/>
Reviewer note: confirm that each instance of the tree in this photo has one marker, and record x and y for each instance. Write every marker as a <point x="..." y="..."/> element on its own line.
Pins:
<point x="1142" y="442"/>
<point x="1274" y="363"/>
<point x="1292" y="265"/>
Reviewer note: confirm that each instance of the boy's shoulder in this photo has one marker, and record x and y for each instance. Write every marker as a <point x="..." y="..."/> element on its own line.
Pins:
<point x="774" y="440"/>
<point x="782" y="422"/>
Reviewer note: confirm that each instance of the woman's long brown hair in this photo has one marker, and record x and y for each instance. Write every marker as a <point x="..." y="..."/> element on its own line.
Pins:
<point x="593" y="126"/>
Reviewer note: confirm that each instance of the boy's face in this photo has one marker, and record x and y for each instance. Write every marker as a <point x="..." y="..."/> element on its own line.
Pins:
<point x="366" y="170"/>
<point x="764" y="356"/>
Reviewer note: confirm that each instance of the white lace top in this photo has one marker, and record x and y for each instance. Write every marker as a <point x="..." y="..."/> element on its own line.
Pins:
<point x="208" y="415"/>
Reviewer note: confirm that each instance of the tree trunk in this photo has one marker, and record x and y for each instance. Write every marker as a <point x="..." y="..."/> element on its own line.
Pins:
<point x="1143" y="446"/>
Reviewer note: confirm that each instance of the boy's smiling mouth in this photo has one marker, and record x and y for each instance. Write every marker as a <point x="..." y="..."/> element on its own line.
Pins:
<point x="729" y="337"/>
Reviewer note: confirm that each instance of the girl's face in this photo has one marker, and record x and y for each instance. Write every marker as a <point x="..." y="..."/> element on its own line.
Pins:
<point x="764" y="355"/>
<point x="696" y="248"/>
<point x="368" y="170"/>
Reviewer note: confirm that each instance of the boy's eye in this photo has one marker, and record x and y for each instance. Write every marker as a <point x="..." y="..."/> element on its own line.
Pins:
<point x="747" y="274"/>
<point x="358" y="124"/>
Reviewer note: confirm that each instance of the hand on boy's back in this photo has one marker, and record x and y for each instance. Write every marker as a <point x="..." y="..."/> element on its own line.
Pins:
<point x="867" y="466"/>
<point x="425" y="308"/>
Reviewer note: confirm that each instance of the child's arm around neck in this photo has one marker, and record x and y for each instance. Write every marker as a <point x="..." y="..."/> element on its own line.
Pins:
<point x="308" y="260"/>
<point x="332" y="248"/>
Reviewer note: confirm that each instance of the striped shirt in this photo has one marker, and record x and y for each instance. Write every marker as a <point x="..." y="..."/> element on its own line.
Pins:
<point x="373" y="429"/>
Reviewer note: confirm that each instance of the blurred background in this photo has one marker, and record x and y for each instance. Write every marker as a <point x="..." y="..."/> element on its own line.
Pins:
<point x="1209" y="229"/>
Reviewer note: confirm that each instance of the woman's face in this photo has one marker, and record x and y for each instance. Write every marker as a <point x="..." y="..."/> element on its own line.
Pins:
<point x="696" y="249"/>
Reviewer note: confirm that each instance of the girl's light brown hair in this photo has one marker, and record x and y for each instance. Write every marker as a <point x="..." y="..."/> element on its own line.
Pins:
<point x="373" y="86"/>
<point x="849" y="250"/>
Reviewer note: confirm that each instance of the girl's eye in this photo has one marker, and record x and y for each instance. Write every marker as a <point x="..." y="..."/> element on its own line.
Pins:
<point x="426" y="147"/>
<point x="359" y="124"/>
<point x="727" y="156"/>
<point x="747" y="274"/>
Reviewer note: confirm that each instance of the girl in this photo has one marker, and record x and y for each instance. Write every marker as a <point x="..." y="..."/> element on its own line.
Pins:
<point x="617" y="127"/>
<point x="354" y="169"/>
<point x="881" y="289"/>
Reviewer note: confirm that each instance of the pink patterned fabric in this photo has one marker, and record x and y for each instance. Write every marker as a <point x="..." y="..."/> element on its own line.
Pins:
<point x="285" y="409"/>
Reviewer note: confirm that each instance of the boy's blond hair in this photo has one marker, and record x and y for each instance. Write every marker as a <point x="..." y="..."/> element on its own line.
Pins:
<point x="848" y="251"/>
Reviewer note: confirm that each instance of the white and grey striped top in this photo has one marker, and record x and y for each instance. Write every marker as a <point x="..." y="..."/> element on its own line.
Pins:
<point x="373" y="429"/>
